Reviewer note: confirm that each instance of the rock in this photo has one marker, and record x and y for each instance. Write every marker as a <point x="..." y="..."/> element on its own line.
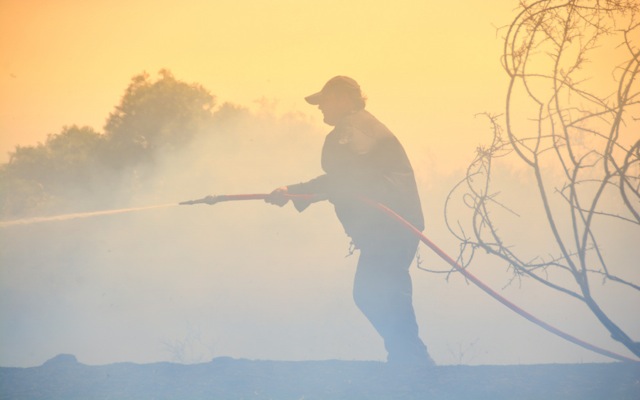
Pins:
<point x="61" y="360"/>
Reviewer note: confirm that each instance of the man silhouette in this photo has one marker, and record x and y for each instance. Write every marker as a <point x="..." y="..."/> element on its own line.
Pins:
<point x="362" y="158"/>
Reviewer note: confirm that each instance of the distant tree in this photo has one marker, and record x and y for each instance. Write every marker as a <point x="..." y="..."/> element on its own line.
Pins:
<point x="20" y="190"/>
<point x="80" y="167"/>
<point x="580" y="144"/>
<point x="38" y="177"/>
<point x="156" y="116"/>
<point x="72" y="159"/>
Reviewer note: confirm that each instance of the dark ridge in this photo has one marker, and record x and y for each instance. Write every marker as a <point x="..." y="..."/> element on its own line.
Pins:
<point x="226" y="378"/>
<point x="60" y="361"/>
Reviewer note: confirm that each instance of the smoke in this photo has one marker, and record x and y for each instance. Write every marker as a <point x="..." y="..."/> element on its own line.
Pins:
<point x="251" y="280"/>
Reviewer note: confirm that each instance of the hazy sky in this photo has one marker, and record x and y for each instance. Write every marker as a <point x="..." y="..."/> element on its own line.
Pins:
<point x="427" y="67"/>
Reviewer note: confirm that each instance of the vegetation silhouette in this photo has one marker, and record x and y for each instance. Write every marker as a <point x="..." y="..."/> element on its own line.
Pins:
<point x="577" y="144"/>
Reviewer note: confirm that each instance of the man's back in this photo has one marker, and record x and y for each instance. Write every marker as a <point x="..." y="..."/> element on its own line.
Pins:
<point x="362" y="158"/>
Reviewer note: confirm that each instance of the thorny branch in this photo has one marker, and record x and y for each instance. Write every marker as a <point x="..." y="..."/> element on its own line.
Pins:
<point x="556" y="119"/>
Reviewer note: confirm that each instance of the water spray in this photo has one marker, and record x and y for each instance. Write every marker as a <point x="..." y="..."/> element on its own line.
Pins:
<point x="65" y="217"/>
<point x="205" y="200"/>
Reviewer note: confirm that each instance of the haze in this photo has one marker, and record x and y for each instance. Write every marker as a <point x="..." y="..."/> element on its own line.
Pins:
<point x="246" y="279"/>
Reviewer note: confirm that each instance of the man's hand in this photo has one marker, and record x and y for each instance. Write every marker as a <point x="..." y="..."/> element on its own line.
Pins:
<point x="278" y="196"/>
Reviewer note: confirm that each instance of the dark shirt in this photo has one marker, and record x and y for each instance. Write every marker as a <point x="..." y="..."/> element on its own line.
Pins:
<point x="362" y="158"/>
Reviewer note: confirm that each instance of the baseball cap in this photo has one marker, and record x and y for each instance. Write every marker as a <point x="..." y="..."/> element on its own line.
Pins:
<point x="338" y="83"/>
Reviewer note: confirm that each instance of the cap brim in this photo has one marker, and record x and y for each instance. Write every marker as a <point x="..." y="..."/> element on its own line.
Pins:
<point x="314" y="99"/>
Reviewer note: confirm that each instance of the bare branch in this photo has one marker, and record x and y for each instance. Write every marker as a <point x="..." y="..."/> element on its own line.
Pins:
<point x="546" y="55"/>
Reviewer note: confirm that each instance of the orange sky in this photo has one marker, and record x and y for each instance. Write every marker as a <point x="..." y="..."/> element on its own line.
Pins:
<point x="427" y="67"/>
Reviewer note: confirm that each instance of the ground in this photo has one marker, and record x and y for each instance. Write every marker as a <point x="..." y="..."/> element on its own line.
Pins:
<point x="63" y="377"/>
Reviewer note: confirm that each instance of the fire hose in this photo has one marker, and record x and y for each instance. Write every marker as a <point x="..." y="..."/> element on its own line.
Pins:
<point x="448" y="259"/>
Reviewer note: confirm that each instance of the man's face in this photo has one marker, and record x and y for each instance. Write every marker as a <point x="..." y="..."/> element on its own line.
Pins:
<point x="334" y="107"/>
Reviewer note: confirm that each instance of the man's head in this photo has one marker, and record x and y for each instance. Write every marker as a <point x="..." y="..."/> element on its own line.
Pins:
<point x="339" y="97"/>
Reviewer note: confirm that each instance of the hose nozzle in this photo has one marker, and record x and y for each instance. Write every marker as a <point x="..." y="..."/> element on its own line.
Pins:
<point x="205" y="200"/>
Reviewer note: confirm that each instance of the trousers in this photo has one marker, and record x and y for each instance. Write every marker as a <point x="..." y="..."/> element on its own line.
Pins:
<point x="383" y="291"/>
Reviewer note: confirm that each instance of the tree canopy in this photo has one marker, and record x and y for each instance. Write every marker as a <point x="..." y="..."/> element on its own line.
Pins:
<point x="79" y="162"/>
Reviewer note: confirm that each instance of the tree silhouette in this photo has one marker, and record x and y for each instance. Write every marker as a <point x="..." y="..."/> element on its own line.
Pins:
<point x="37" y="178"/>
<point x="155" y="116"/>
<point x="578" y="140"/>
<point x="81" y="168"/>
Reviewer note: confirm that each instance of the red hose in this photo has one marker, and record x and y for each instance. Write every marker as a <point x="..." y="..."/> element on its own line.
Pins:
<point x="492" y="292"/>
<point x="454" y="264"/>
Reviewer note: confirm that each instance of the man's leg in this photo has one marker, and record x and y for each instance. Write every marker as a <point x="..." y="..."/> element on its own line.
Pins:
<point x="383" y="292"/>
